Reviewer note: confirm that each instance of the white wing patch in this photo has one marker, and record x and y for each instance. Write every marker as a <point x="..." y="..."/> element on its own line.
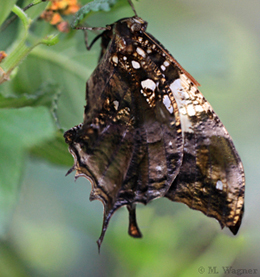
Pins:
<point x="190" y="110"/>
<point x="166" y="63"/>
<point x="141" y="52"/>
<point x="167" y="103"/>
<point x="198" y="101"/>
<point x="181" y="97"/>
<point x="136" y="64"/>
<point x="148" y="91"/>
<point x="148" y="84"/>
<point x="219" y="185"/>
<point x="116" y="104"/>
<point x="163" y="67"/>
<point x="189" y="100"/>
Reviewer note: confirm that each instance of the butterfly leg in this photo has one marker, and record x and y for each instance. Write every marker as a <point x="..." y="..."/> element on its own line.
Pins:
<point x="133" y="229"/>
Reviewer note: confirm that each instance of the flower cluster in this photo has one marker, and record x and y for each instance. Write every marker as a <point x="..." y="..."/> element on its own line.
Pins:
<point x="56" y="8"/>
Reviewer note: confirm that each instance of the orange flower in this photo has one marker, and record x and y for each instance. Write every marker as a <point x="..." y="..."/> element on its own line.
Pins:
<point x="56" y="18"/>
<point x="64" y="6"/>
<point x="56" y="8"/>
<point x="63" y="27"/>
<point x="58" y="4"/>
<point x="2" y="55"/>
<point x="71" y="9"/>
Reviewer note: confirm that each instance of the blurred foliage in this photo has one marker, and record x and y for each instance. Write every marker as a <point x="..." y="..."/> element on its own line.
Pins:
<point x="94" y="6"/>
<point x="6" y="7"/>
<point x="47" y="225"/>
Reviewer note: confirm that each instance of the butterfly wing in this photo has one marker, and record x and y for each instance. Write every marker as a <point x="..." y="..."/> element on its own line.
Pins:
<point x="130" y="143"/>
<point x="148" y="132"/>
<point x="211" y="178"/>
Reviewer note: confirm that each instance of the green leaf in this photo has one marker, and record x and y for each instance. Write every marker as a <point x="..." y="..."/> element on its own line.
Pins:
<point x="21" y="48"/>
<point x="54" y="150"/>
<point x="44" y="96"/>
<point x="95" y="6"/>
<point x="20" y="129"/>
<point x="6" y="7"/>
<point x="56" y="67"/>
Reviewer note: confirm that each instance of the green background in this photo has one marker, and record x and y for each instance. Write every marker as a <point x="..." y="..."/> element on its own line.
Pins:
<point x="48" y="227"/>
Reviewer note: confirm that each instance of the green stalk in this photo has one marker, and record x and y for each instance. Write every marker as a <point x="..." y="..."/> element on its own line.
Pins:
<point x="21" y="50"/>
<point x="23" y="16"/>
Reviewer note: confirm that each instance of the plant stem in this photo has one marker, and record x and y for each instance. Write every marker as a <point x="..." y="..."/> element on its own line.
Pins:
<point x="21" y="50"/>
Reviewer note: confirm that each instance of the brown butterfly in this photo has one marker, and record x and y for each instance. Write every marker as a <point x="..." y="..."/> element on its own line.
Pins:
<point x="148" y="132"/>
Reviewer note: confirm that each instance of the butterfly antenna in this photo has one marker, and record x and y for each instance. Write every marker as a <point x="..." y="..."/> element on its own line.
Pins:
<point x="132" y="6"/>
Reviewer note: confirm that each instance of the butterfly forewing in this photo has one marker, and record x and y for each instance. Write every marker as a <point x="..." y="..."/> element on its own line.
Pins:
<point x="211" y="178"/>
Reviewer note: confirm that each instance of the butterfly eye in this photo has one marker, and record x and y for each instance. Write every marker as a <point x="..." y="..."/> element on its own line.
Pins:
<point x="137" y="24"/>
<point x="136" y="27"/>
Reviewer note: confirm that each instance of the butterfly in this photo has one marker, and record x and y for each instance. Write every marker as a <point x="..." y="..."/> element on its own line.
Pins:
<point x="148" y="132"/>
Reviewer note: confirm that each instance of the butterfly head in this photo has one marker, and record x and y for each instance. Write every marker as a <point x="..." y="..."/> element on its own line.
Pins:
<point x="130" y="25"/>
<point x="136" y="24"/>
<point x="125" y="29"/>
